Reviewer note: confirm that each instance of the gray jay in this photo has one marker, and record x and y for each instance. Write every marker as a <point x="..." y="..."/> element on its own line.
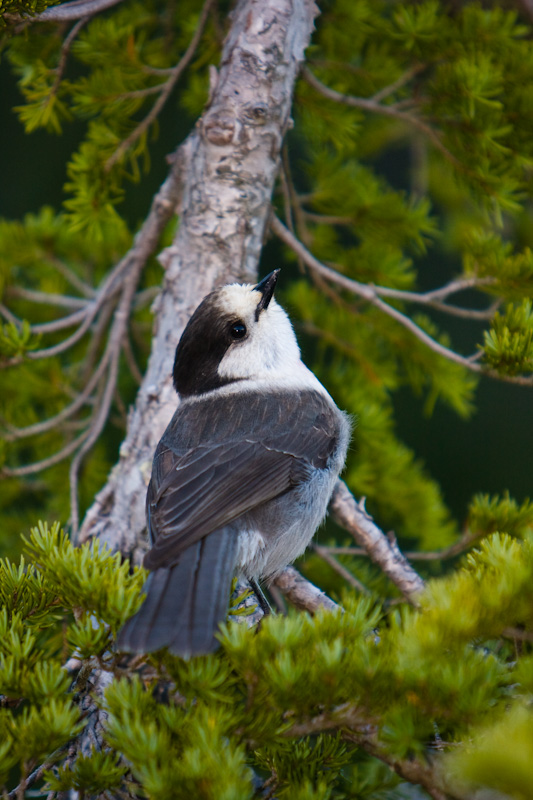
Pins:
<point x="243" y="474"/>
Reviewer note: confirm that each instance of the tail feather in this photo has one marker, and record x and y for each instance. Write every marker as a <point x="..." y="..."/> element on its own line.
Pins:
<point x="211" y="593"/>
<point x="185" y="602"/>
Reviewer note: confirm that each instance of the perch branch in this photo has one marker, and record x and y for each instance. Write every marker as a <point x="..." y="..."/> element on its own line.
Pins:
<point x="301" y="593"/>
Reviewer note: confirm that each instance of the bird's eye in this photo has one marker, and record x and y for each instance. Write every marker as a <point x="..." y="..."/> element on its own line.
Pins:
<point x="238" y="330"/>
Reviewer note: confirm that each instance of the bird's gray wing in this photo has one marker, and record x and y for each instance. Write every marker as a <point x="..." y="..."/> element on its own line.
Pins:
<point x="193" y="495"/>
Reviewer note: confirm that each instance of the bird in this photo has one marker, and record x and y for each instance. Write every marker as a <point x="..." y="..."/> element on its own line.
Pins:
<point x="243" y="474"/>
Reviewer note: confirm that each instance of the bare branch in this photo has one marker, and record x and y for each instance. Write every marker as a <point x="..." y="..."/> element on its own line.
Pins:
<point x="88" y="316"/>
<point x="63" y="56"/>
<point x="73" y="10"/>
<point x="97" y="423"/>
<point x="46" y="298"/>
<point x="139" y="93"/>
<point x="161" y="210"/>
<point x="146" y="296"/>
<point x="53" y="422"/>
<point x="38" y="773"/>
<point x="166" y="90"/>
<point x="411" y="770"/>
<point x="301" y="593"/>
<point x="370" y="104"/>
<point x="383" y="550"/>
<point x="460" y="546"/>
<point x="75" y="281"/>
<point x="359" y="728"/>
<point x="371" y="294"/>
<point x="61" y="323"/>
<point x="130" y="360"/>
<point x="51" y="461"/>
<point x="397" y="84"/>
<point x="325" y="554"/>
<point x="7" y="314"/>
<point x="99" y="331"/>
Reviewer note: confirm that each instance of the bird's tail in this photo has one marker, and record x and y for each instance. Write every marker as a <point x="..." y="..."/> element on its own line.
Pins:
<point x="185" y="602"/>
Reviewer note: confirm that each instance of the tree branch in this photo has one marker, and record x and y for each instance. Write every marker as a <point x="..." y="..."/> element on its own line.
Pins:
<point x="455" y="549"/>
<point x="370" y="293"/>
<point x="166" y="89"/>
<point x="370" y="104"/>
<point x="118" y="332"/>
<point x="46" y="298"/>
<point x="325" y="554"/>
<point x="383" y="550"/>
<point x="359" y="728"/>
<point x="301" y="593"/>
<point x="53" y="422"/>
<point x="63" y="56"/>
<point x="397" y="84"/>
<point x="73" y="10"/>
<point x="51" y="461"/>
<point x="235" y="144"/>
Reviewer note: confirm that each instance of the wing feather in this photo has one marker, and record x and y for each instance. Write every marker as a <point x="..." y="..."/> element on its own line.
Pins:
<point x="256" y="451"/>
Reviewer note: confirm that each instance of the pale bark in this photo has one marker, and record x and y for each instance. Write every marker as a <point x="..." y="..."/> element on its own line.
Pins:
<point x="383" y="550"/>
<point x="228" y="168"/>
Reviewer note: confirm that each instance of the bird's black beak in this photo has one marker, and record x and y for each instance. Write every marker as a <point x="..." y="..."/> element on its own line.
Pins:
<point x="266" y="288"/>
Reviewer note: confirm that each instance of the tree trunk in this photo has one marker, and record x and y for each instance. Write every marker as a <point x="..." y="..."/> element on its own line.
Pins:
<point x="226" y="170"/>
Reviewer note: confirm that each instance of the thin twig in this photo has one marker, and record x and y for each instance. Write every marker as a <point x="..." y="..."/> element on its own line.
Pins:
<point x="73" y="10"/>
<point x="51" y="461"/>
<point x="369" y="104"/>
<point x="367" y="292"/>
<point x="110" y="286"/>
<point x="371" y="294"/>
<point x="397" y="84"/>
<point x="168" y="86"/>
<point x="325" y="554"/>
<point x="49" y="299"/>
<point x="53" y="422"/>
<point x="98" y="331"/>
<point x="455" y="549"/>
<point x="361" y="729"/>
<point x="130" y="360"/>
<point x="84" y="288"/>
<point x="296" y="201"/>
<point x="118" y="332"/>
<point x="162" y="208"/>
<point x="146" y="296"/>
<point x="60" y="324"/>
<point x="63" y="56"/>
<point x="140" y="93"/>
<point x="37" y="774"/>
<point x="518" y="633"/>
<point x="7" y="314"/>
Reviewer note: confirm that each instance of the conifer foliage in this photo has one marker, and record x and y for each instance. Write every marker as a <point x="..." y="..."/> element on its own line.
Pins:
<point x="411" y="139"/>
